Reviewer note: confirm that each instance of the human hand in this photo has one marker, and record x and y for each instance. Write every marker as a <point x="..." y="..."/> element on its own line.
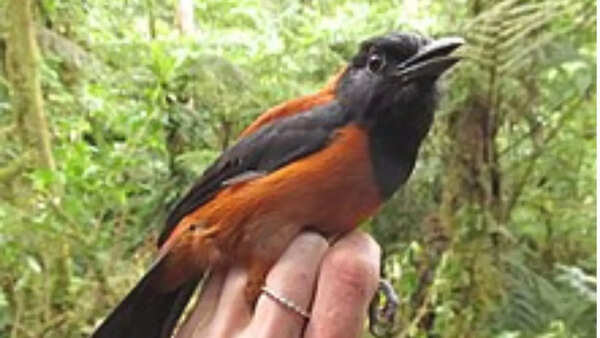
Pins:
<point x="339" y="281"/>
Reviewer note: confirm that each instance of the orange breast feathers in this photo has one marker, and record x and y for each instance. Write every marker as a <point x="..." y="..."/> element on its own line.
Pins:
<point x="297" y="105"/>
<point x="330" y="191"/>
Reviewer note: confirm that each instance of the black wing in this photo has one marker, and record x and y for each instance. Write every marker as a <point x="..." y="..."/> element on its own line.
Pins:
<point x="268" y="149"/>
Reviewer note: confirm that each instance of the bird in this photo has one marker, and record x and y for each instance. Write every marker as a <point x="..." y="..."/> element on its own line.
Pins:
<point x="323" y="162"/>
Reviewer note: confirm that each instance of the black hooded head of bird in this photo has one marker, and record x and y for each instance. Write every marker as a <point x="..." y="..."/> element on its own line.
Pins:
<point x="390" y="87"/>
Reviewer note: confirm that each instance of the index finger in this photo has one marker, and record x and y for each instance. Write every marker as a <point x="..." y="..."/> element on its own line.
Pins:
<point x="347" y="282"/>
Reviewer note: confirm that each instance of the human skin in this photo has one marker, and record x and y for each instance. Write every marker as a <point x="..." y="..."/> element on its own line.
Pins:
<point x="336" y="282"/>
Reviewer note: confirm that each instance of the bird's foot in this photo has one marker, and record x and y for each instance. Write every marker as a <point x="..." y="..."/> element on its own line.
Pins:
<point x="381" y="316"/>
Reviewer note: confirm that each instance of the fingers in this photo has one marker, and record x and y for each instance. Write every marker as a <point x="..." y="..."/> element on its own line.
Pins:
<point x="347" y="282"/>
<point x="233" y="313"/>
<point x="292" y="277"/>
<point x="222" y="310"/>
<point x="197" y="323"/>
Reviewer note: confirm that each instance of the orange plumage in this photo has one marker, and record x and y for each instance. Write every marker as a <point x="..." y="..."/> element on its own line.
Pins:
<point x="255" y="220"/>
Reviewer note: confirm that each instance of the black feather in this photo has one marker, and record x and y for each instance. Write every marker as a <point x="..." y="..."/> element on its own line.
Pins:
<point x="268" y="149"/>
<point x="147" y="312"/>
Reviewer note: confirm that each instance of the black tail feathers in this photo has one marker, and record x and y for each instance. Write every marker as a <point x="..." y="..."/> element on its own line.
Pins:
<point x="146" y="312"/>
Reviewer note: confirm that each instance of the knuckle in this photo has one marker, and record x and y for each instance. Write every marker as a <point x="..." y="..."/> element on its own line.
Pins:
<point x="355" y="274"/>
<point x="299" y="264"/>
<point x="301" y="276"/>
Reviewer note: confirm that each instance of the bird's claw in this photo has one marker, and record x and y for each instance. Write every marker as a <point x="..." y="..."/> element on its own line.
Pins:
<point x="381" y="317"/>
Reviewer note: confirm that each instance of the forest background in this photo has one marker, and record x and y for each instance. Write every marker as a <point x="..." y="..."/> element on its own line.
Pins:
<point x="110" y="109"/>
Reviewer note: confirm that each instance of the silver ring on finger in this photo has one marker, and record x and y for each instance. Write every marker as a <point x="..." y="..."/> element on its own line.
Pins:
<point x="290" y="305"/>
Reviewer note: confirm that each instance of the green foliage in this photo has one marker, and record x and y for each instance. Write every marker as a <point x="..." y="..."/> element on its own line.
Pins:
<point x="135" y="119"/>
<point x="566" y="303"/>
<point x="534" y="79"/>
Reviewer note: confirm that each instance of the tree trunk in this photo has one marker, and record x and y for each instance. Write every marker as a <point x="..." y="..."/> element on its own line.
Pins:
<point x="151" y="19"/>
<point x="22" y="68"/>
<point x="184" y="17"/>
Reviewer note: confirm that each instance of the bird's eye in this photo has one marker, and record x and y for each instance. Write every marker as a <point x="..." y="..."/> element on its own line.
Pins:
<point x="375" y="63"/>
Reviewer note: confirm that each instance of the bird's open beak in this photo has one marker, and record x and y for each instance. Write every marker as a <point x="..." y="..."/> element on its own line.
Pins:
<point x="431" y="61"/>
